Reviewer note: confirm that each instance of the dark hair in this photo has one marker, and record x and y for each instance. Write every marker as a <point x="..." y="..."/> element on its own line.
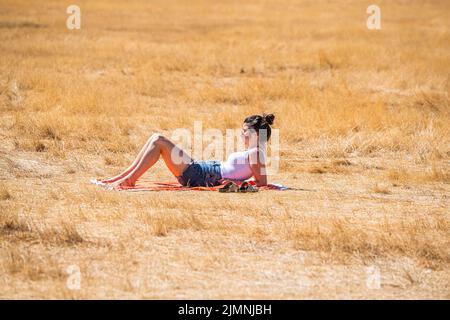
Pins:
<point x="257" y="122"/>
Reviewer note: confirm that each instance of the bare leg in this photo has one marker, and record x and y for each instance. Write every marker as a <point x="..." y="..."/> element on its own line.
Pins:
<point x="132" y="166"/>
<point x="176" y="160"/>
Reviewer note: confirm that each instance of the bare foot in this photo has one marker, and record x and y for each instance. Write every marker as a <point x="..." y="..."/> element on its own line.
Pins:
<point x="114" y="179"/>
<point x="108" y="180"/>
<point x="123" y="183"/>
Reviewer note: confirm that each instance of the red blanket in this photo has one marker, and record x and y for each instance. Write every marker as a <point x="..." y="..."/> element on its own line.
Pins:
<point x="143" y="185"/>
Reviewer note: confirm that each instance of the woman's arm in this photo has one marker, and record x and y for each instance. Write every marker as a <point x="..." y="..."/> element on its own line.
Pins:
<point x="258" y="166"/>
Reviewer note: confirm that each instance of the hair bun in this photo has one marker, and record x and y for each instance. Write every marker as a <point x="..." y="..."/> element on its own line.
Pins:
<point x="268" y="118"/>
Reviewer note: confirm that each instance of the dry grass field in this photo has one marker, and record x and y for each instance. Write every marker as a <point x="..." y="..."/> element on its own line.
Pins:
<point x="364" y="123"/>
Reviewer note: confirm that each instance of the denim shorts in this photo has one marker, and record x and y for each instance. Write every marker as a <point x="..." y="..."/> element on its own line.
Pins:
<point x="201" y="174"/>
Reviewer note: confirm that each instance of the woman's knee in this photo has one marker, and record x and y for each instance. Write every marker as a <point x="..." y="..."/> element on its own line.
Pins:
<point x="158" y="138"/>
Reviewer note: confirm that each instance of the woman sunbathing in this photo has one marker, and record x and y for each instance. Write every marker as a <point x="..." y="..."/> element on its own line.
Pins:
<point x="240" y="166"/>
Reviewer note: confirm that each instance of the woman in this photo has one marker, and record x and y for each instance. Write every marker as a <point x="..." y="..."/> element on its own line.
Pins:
<point x="240" y="166"/>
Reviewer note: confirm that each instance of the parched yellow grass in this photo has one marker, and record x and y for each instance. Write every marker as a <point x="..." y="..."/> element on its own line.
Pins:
<point x="435" y="172"/>
<point x="364" y="120"/>
<point x="30" y="265"/>
<point x="4" y="193"/>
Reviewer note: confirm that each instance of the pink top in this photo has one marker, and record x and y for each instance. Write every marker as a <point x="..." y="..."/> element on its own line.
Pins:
<point x="237" y="167"/>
